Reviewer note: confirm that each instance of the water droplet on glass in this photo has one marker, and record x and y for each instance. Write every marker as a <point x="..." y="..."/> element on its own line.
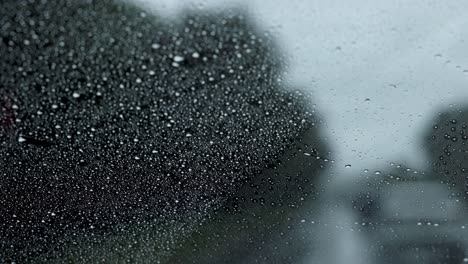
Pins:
<point x="178" y="58"/>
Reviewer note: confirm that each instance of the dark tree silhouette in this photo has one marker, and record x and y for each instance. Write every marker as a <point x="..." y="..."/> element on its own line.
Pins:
<point x="114" y="121"/>
<point x="446" y="142"/>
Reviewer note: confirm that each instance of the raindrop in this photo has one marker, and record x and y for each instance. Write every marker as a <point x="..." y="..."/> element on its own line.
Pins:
<point x="178" y="58"/>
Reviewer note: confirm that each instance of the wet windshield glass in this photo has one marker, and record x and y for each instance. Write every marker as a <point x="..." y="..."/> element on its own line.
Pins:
<point x="233" y="131"/>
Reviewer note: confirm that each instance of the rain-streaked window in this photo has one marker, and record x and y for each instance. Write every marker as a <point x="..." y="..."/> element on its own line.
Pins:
<point x="238" y="131"/>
